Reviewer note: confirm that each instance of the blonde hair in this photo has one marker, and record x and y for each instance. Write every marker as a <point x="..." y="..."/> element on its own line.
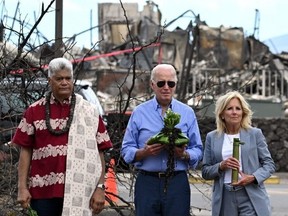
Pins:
<point x="221" y="104"/>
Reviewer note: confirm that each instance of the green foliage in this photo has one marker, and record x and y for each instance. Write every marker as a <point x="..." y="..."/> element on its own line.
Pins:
<point x="32" y="212"/>
<point x="170" y="121"/>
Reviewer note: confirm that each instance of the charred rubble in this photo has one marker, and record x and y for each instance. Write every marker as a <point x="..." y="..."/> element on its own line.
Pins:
<point x="209" y="60"/>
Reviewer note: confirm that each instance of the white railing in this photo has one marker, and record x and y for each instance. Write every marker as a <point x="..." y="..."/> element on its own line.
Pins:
<point x="262" y="84"/>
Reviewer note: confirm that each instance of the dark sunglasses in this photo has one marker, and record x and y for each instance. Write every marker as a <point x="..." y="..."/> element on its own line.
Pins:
<point x="171" y="84"/>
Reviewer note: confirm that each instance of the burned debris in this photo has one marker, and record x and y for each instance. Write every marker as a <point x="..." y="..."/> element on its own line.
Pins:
<point x="209" y="60"/>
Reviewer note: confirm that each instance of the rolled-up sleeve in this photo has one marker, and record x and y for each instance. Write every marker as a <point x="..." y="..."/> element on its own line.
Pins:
<point x="129" y="144"/>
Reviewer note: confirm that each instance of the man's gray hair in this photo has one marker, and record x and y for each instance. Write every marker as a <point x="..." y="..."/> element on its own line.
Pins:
<point x="160" y="67"/>
<point x="58" y="64"/>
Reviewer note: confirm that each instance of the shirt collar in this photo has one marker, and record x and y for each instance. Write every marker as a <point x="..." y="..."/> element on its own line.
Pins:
<point x="54" y="100"/>
<point x="156" y="105"/>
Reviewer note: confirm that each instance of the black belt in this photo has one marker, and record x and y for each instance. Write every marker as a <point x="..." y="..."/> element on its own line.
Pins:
<point x="159" y="174"/>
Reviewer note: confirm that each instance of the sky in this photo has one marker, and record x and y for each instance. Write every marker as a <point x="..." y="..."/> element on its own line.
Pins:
<point x="271" y="18"/>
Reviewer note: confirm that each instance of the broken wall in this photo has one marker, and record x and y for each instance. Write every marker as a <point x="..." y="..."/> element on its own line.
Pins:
<point x="112" y="22"/>
<point x="227" y="45"/>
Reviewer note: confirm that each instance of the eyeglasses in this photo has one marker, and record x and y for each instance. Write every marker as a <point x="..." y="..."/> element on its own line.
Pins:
<point x="171" y="84"/>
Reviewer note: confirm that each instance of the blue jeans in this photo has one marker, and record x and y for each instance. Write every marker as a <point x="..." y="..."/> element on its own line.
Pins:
<point x="152" y="200"/>
<point x="48" y="207"/>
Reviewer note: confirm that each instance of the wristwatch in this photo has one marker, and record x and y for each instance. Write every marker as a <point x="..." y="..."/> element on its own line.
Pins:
<point x="101" y="186"/>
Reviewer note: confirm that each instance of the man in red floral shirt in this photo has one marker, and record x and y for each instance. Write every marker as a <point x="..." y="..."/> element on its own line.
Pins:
<point x="62" y="138"/>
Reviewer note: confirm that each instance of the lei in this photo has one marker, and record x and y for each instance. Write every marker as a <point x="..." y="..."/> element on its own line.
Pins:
<point x="48" y="117"/>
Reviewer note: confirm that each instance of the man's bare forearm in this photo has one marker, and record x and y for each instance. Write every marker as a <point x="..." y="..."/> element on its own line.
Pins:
<point x="102" y="177"/>
<point x="24" y="166"/>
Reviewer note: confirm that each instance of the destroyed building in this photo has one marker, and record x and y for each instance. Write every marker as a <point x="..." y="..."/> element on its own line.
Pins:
<point x="209" y="60"/>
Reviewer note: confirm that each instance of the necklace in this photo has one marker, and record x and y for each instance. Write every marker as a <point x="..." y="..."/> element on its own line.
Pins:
<point x="231" y="138"/>
<point x="48" y="117"/>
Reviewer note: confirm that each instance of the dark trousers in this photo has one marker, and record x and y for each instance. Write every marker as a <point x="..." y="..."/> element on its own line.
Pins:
<point x="48" y="207"/>
<point x="152" y="200"/>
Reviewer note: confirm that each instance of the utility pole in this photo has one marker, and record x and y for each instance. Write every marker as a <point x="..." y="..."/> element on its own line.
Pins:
<point x="59" y="28"/>
<point x="256" y="24"/>
<point x="2" y="31"/>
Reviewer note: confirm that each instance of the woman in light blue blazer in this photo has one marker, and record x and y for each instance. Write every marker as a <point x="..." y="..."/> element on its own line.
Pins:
<point x="248" y="195"/>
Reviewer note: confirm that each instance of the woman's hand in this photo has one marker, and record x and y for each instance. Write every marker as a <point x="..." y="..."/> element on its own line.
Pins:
<point x="230" y="163"/>
<point x="245" y="179"/>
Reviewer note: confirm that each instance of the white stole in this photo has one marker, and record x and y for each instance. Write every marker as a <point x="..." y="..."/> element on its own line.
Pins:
<point x="83" y="164"/>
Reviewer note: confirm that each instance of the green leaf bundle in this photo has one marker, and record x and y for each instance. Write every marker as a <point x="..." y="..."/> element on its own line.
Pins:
<point x="169" y="130"/>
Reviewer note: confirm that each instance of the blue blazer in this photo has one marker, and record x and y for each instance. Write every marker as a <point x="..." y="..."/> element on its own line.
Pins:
<point x="256" y="160"/>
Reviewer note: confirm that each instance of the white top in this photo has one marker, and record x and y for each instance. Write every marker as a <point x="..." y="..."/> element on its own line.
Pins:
<point x="227" y="151"/>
